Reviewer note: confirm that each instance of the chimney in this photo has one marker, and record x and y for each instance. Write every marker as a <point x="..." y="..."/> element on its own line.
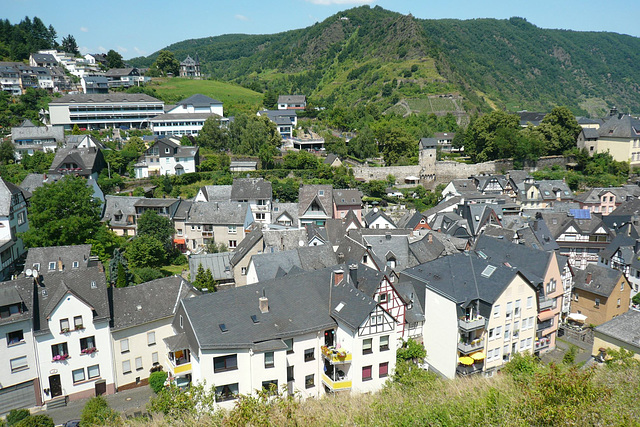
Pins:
<point x="338" y="275"/>
<point x="263" y="303"/>
<point x="353" y="274"/>
<point x="387" y="235"/>
<point x="588" y="280"/>
<point x="340" y="257"/>
<point x="430" y="238"/>
<point x="60" y="266"/>
<point x="535" y="225"/>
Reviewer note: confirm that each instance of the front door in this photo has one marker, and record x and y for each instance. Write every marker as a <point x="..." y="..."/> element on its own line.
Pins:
<point x="55" y="386"/>
<point x="101" y="388"/>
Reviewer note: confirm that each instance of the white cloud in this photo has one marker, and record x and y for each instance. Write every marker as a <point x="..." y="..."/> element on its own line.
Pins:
<point x="140" y="51"/>
<point x="341" y="2"/>
<point x="83" y="50"/>
<point x="122" y="49"/>
<point x="102" y="49"/>
<point x="84" y="29"/>
<point x="241" y="17"/>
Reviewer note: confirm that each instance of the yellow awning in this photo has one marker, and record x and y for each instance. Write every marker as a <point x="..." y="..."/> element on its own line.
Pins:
<point x="478" y="355"/>
<point x="465" y="360"/>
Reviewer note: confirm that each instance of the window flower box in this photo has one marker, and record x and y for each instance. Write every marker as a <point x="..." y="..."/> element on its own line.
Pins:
<point x="89" y="350"/>
<point x="60" y="357"/>
<point x="79" y="327"/>
<point x="64" y="330"/>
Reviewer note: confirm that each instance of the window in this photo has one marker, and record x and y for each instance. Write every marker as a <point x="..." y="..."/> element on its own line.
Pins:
<point x="154" y="358"/>
<point x="496" y="311"/>
<point x="516" y="329"/>
<point x="17" y="337"/>
<point x="226" y="392"/>
<point x="93" y="371"/>
<point x="268" y="360"/>
<point x="509" y="310"/>
<point x="233" y="244"/>
<point x="151" y="338"/>
<point x="289" y="344"/>
<point x="383" y="369"/>
<point x="367" y="346"/>
<point x="290" y="376"/>
<point x="516" y="311"/>
<point x="575" y="297"/>
<point x="309" y="355"/>
<point x="491" y="333"/>
<point x="232" y="229"/>
<point x="126" y="367"/>
<point x="181" y="324"/>
<point x="64" y="325"/>
<point x="179" y="231"/>
<point x="19" y="364"/>
<point x="309" y="381"/>
<point x="529" y="302"/>
<point x="87" y="344"/>
<point x="618" y="302"/>
<point x="124" y="346"/>
<point x="270" y="386"/>
<point x="507" y="332"/>
<point x="597" y="302"/>
<point x="382" y="297"/>
<point x="366" y="373"/>
<point x="260" y="216"/>
<point x="384" y="343"/>
<point x="551" y="286"/>
<point x="59" y="351"/>
<point x="75" y="264"/>
<point x="21" y="218"/>
<point x="78" y="375"/>
<point x="77" y="322"/>
<point x="138" y="363"/>
<point x="498" y="331"/>
<point x="621" y="286"/>
<point x="52" y="266"/>
<point x="225" y="363"/>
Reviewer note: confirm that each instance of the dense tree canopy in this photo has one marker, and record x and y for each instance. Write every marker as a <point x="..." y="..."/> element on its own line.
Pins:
<point x="62" y="213"/>
<point x="70" y="45"/>
<point x="156" y="226"/>
<point x="167" y="64"/>
<point x="114" y="59"/>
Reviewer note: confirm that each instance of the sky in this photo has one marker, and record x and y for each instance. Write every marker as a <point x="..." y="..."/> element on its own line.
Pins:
<point x="139" y="28"/>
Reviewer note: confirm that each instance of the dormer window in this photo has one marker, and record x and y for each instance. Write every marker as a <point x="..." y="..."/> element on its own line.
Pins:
<point x="76" y="264"/>
<point x="167" y="150"/>
<point x="93" y="284"/>
<point x="320" y="192"/>
<point x="52" y="265"/>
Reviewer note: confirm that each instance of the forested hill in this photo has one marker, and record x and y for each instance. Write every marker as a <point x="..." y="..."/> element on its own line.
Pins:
<point x="374" y="55"/>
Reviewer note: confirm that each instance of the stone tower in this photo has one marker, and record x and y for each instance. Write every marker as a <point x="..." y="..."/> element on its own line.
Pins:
<point x="427" y="161"/>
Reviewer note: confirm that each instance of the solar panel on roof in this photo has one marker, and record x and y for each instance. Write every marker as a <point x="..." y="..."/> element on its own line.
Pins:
<point x="580" y="213"/>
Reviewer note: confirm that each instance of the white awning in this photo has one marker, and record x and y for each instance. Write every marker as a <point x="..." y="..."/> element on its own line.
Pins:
<point x="412" y="178"/>
<point x="578" y="317"/>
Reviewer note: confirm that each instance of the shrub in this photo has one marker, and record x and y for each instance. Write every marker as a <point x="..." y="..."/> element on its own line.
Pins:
<point x="36" y="421"/>
<point x="97" y="412"/>
<point x="16" y="415"/>
<point x="156" y="381"/>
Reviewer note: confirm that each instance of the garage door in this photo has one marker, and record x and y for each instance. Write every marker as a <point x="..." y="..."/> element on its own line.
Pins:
<point x="17" y="396"/>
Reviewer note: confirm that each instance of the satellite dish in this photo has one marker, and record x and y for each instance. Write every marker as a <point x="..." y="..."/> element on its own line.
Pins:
<point x="301" y="243"/>
<point x="28" y="272"/>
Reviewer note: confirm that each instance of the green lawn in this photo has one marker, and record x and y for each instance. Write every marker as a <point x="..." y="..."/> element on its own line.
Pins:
<point x="235" y="98"/>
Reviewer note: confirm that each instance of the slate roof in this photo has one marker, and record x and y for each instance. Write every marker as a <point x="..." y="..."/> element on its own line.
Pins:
<point x="53" y="287"/>
<point x="199" y="100"/>
<point x="280" y="208"/>
<point x="219" y="264"/>
<point x="460" y="279"/>
<point x="330" y="159"/>
<point x="44" y="57"/>
<point x="66" y="254"/>
<point x="306" y="258"/>
<point x="217" y="193"/>
<point x="530" y="117"/>
<point x="291" y="99"/>
<point x="428" y="143"/>
<point x="603" y="279"/>
<point x="251" y="189"/>
<point x="226" y="213"/>
<point x="558" y="222"/>
<point x="119" y="205"/>
<point x="376" y="213"/>
<point x="298" y="304"/>
<point x="348" y="197"/>
<point x="121" y="72"/>
<point x="388" y="247"/>
<point x="625" y="327"/>
<point x="88" y="159"/>
<point x="425" y="249"/>
<point x="308" y="193"/>
<point x="620" y="126"/>
<point x="118" y="97"/>
<point x="150" y="301"/>
<point x="19" y="290"/>
<point x="7" y="190"/>
<point x="243" y="248"/>
<point x="590" y="133"/>
<point x="283" y="239"/>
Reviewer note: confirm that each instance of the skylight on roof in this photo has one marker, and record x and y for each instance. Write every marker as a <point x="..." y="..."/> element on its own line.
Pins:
<point x="339" y="307"/>
<point x="254" y="318"/>
<point x="223" y="327"/>
<point x="482" y="255"/>
<point x="488" y="271"/>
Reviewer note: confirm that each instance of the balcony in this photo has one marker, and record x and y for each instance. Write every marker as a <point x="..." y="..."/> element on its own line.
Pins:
<point x="336" y="385"/>
<point x="541" y="344"/>
<point x="336" y="356"/>
<point x="469" y="370"/>
<point x="260" y="208"/>
<point x="471" y="346"/>
<point x="472" y="324"/>
<point x="207" y="233"/>
<point x="546" y="303"/>
<point x="544" y="325"/>
<point x="179" y="361"/>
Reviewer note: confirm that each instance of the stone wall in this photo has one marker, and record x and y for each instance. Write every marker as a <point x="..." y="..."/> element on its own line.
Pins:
<point x="447" y="170"/>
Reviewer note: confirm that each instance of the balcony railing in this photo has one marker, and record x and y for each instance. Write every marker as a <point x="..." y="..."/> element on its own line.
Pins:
<point x="546" y="303"/>
<point x="337" y="385"/>
<point x="207" y="234"/>
<point x="470" y="347"/>
<point x="544" y="325"/>
<point x="469" y="370"/>
<point x="336" y="356"/>
<point x="472" y="324"/>
<point x="542" y="343"/>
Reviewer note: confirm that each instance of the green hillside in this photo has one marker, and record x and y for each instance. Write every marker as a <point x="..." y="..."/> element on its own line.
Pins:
<point x="371" y="55"/>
